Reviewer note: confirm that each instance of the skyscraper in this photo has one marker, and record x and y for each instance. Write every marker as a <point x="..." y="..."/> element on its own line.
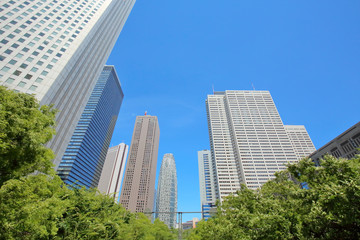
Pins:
<point x="300" y="140"/>
<point x="207" y="177"/>
<point x="137" y="193"/>
<point x="166" y="199"/>
<point x="113" y="170"/>
<point x="248" y="140"/>
<point x="56" y="50"/>
<point x="84" y="157"/>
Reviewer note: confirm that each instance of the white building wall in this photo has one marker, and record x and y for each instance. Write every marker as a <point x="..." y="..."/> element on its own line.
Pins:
<point x="113" y="170"/>
<point x="300" y="140"/>
<point x="248" y="140"/>
<point x="59" y="49"/>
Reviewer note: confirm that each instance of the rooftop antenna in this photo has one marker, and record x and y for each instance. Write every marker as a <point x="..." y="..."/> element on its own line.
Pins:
<point x="213" y="89"/>
<point x="253" y="86"/>
<point x="145" y="113"/>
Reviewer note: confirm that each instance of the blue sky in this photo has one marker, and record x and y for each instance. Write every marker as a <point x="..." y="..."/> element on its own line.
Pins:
<point x="170" y="53"/>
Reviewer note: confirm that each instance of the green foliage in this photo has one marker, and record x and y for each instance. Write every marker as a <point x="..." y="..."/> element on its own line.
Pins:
<point x="24" y="129"/>
<point x="41" y="207"/>
<point x="281" y="209"/>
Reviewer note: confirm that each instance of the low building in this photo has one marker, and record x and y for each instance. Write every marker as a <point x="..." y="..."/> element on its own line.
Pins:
<point x="345" y="145"/>
<point x="190" y="224"/>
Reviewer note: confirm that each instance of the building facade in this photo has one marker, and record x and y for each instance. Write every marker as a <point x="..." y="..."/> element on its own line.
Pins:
<point x="137" y="193"/>
<point x="56" y="50"/>
<point x="84" y="157"/>
<point x="208" y="183"/>
<point x="166" y="199"/>
<point x="248" y="140"/>
<point x="113" y="171"/>
<point x="345" y="145"/>
<point x="300" y="139"/>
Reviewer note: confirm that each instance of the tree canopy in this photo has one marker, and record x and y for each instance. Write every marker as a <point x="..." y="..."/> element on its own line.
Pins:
<point x="41" y="207"/>
<point x="24" y="129"/>
<point x="328" y="208"/>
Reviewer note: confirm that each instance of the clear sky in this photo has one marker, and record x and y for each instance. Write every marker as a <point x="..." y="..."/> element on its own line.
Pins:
<point x="170" y="53"/>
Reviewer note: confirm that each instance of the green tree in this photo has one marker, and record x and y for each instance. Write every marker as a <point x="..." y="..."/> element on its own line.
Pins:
<point x="328" y="209"/>
<point x="24" y="129"/>
<point x="42" y="207"/>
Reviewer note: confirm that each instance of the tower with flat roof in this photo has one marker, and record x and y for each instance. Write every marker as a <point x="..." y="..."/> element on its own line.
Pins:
<point x="137" y="193"/>
<point x="248" y="139"/>
<point x="84" y="157"/>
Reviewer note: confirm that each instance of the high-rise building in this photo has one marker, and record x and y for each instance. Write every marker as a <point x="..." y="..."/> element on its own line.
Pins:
<point x="300" y="140"/>
<point x="248" y="140"/>
<point x="345" y="145"/>
<point x="113" y="171"/>
<point x="56" y="50"/>
<point x="137" y="193"/>
<point x="207" y="181"/>
<point x="166" y="199"/>
<point x="84" y="157"/>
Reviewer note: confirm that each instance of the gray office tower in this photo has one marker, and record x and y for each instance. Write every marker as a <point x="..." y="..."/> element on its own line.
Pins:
<point x="166" y="199"/>
<point x="208" y="194"/>
<point x="345" y="145"/>
<point x="137" y="193"/>
<point x="84" y="157"/>
<point x="248" y="140"/>
<point x="113" y="171"/>
<point x="56" y="50"/>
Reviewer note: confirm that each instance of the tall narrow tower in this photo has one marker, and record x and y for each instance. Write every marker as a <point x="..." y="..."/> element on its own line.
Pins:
<point x="248" y="140"/>
<point x="166" y="199"/>
<point x="208" y="183"/>
<point x="56" y="50"/>
<point x="138" y="188"/>
<point x="113" y="171"/>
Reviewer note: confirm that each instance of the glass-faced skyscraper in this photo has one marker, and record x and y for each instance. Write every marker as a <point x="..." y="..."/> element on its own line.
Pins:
<point x="248" y="139"/>
<point x="166" y="199"/>
<point x="207" y="181"/>
<point x="138" y="188"/>
<point x="56" y="50"/>
<point x="84" y="157"/>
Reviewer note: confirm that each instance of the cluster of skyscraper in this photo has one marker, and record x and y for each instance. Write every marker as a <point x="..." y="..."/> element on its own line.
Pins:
<point x="56" y="50"/>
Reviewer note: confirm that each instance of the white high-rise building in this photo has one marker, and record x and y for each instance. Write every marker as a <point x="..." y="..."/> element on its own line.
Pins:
<point x="113" y="170"/>
<point x="166" y="199"/>
<point x="248" y="140"/>
<point x="56" y="50"/>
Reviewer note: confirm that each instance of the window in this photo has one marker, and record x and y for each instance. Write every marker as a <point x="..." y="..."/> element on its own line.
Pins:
<point x="23" y="65"/>
<point x="28" y="76"/>
<point x="22" y="84"/>
<point x="12" y="62"/>
<point x="10" y="80"/>
<point x="5" y="69"/>
<point x="33" y="88"/>
<point x="17" y="73"/>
